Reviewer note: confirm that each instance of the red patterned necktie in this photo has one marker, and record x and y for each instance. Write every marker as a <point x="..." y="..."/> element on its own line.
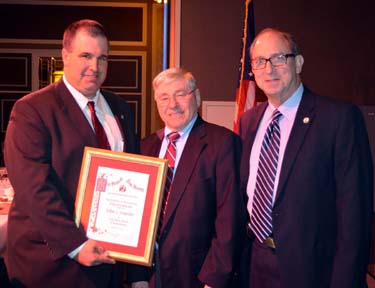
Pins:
<point x="170" y="155"/>
<point x="99" y="130"/>
<point x="261" y="217"/>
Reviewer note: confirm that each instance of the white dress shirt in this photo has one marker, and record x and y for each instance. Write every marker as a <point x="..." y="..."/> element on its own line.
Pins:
<point x="180" y="143"/>
<point x="288" y="110"/>
<point x="104" y="114"/>
<point x="106" y="118"/>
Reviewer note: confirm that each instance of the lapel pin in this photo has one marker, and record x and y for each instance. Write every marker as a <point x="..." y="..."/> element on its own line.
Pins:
<point x="122" y="117"/>
<point x="306" y="120"/>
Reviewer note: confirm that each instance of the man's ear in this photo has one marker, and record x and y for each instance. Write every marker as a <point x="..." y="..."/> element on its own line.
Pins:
<point x="65" y="55"/>
<point x="197" y="95"/>
<point x="299" y="63"/>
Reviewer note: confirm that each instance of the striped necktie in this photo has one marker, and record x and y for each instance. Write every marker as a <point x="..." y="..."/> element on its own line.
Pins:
<point x="170" y="155"/>
<point x="261" y="216"/>
<point x="99" y="130"/>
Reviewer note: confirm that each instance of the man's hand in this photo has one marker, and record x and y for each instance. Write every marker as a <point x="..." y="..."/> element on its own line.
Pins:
<point x="92" y="254"/>
<point x="140" y="284"/>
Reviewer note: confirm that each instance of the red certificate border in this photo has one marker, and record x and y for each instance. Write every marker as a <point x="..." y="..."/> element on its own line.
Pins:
<point x="156" y="169"/>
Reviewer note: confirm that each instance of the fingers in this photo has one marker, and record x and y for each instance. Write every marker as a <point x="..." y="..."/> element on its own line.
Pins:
<point x="103" y="258"/>
<point x="140" y="284"/>
<point x="92" y="254"/>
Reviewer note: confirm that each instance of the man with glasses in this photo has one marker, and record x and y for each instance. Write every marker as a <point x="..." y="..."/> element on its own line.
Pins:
<point x="306" y="173"/>
<point x="199" y="227"/>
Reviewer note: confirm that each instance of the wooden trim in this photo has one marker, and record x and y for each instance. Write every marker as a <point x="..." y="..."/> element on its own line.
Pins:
<point x="175" y="34"/>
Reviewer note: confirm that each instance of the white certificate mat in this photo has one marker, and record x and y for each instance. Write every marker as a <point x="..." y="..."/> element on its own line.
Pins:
<point x="118" y="202"/>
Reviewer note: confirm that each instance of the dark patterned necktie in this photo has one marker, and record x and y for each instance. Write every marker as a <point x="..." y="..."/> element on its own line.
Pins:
<point x="170" y="155"/>
<point x="99" y="130"/>
<point x="261" y="216"/>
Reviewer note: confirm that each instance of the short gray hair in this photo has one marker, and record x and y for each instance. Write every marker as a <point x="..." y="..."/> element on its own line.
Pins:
<point x="177" y="73"/>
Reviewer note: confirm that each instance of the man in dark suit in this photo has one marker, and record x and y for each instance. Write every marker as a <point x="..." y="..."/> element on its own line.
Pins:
<point x="45" y="139"/>
<point x="199" y="232"/>
<point x="317" y="232"/>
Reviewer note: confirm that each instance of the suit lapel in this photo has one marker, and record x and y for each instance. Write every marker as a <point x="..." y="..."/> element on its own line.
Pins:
<point x="248" y="140"/>
<point x="191" y="154"/>
<point x="304" y="117"/>
<point x="74" y="114"/>
<point x="153" y="148"/>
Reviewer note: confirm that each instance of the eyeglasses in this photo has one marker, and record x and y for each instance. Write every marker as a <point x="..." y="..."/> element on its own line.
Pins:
<point x="179" y="96"/>
<point x="275" y="60"/>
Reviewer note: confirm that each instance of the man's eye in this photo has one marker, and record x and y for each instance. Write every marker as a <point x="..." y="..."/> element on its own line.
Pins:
<point x="164" y="98"/>
<point x="86" y="56"/>
<point x="279" y="57"/>
<point x="103" y="58"/>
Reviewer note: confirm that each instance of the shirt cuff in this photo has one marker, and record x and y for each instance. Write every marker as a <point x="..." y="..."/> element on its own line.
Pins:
<point x="76" y="251"/>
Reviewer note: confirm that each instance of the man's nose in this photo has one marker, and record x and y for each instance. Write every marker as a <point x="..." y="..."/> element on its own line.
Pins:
<point x="172" y="101"/>
<point x="94" y="64"/>
<point x="269" y="67"/>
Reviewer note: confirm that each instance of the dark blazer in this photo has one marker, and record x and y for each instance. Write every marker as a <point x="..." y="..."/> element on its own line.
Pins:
<point x="44" y="145"/>
<point x="323" y="209"/>
<point x="200" y="231"/>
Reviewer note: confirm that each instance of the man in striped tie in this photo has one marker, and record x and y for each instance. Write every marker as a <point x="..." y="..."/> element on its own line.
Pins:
<point x="306" y="171"/>
<point x="199" y="228"/>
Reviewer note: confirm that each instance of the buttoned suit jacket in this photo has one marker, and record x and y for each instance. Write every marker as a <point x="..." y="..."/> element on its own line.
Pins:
<point x="200" y="233"/>
<point x="323" y="208"/>
<point x="44" y="145"/>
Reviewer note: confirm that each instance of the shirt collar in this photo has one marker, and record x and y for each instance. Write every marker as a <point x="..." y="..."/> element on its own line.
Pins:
<point x="289" y="108"/>
<point x="78" y="96"/>
<point x="183" y="132"/>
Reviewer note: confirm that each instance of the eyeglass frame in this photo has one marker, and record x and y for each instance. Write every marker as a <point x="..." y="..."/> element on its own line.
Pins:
<point x="178" y="96"/>
<point x="286" y="56"/>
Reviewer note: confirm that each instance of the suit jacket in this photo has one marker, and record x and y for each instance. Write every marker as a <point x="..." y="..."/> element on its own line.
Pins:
<point x="199" y="234"/>
<point x="323" y="208"/>
<point x="44" y="145"/>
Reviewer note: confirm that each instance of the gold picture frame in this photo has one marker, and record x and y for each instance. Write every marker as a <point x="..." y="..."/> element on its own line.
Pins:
<point x="118" y="202"/>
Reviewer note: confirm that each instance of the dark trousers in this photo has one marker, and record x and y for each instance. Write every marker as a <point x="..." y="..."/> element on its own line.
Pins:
<point x="264" y="268"/>
<point x="4" y="280"/>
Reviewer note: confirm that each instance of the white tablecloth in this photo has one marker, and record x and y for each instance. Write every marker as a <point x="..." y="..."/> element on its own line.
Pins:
<point x="3" y="232"/>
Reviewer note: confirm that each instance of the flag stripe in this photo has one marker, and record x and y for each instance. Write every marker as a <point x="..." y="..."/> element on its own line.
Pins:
<point x="245" y="93"/>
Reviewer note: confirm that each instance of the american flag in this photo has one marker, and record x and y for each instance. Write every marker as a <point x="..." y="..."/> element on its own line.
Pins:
<point x="245" y="92"/>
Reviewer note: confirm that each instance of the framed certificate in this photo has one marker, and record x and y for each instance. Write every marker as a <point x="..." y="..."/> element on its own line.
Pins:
<point x="119" y="200"/>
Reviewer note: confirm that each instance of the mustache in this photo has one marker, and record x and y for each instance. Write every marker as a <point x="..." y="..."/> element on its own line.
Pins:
<point x="176" y="109"/>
